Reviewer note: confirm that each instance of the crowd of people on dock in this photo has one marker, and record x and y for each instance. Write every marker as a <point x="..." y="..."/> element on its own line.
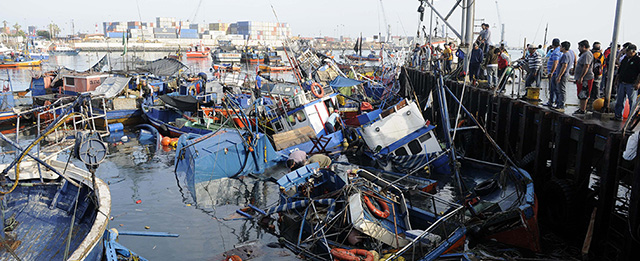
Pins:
<point x="588" y="68"/>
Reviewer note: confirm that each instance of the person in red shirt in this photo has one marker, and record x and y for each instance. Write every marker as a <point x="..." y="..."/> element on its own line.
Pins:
<point x="503" y="63"/>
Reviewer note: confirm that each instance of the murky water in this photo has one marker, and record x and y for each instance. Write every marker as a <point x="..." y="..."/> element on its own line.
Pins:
<point x="148" y="196"/>
<point x="135" y="174"/>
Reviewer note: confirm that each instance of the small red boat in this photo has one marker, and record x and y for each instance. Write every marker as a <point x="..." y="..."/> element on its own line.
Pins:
<point x="198" y="51"/>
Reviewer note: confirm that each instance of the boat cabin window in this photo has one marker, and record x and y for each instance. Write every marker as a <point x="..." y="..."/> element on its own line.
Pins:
<point x="277" y="125"/>
<point x="301" y="116"/>
<point x="69" y="81"/>
<point x="401" y="152"/>
<point x="425" y="137"/>
<point x="415" y="147"/>
<point x="292" y="120"/>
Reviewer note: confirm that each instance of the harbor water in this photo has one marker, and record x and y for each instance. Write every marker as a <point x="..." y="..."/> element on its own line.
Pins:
<point x="147" y="195"/>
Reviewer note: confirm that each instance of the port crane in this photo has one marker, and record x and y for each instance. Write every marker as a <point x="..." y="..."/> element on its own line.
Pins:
<point x="500" y="24"/>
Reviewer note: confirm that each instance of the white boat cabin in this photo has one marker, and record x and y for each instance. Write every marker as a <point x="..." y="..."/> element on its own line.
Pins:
<point x="400" y="130"/>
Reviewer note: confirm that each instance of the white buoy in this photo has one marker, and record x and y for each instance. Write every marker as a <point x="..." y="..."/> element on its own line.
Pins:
<point x="124" y="138"/>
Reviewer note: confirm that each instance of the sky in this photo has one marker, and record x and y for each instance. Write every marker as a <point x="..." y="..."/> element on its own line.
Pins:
<point x="571" y="20"/>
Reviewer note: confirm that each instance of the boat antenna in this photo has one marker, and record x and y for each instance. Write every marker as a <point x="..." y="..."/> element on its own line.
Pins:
<point x="142" y="31"/>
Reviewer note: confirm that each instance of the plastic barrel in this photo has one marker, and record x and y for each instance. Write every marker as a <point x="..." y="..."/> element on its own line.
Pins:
<point x="116" y="127"/>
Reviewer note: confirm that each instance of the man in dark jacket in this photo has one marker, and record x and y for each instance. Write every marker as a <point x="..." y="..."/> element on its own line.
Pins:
<point x="474" y="63"/>
<point x="628" y="80"/>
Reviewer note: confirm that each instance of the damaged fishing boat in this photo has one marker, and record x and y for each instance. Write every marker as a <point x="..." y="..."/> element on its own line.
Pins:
<point x="499" y="199"/>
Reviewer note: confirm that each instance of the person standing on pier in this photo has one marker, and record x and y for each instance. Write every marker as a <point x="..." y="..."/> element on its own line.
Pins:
<point x="447" y="55"/>
<point x="474" y="64"/>
<point x="627" y="80"/>
<point x="584" y="75"/>
<point x="503" y="62"/>
<point x="491" y="64"/>
<point x="484" y="38"/>
<point x="534" y="62"/>
<point x="415" y="61"/>
<point x="561" y="76"/>
<point x="598" y="62"/>
<point x="460" y="55"/>
<point x="552" y="66"/>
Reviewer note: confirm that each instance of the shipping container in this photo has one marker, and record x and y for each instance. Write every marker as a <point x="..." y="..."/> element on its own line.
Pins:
<point x="164" y="30"/>
<point x="165" y="36"/>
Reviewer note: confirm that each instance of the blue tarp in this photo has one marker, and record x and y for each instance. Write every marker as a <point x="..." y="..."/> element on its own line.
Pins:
<point x="343" y="82"/>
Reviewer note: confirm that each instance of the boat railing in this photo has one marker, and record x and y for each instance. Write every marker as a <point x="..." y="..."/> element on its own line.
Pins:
<point x="440" y="235"/>
<point x="86" y="120"/>
<point x="207" y="97"/>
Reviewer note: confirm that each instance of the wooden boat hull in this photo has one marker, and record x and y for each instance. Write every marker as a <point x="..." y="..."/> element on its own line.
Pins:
<point x="365" y="58"/>
<point x="42" y="221"/>
<point x="268" y="68"/>
<point x="126" y="117"/>
<point x="197" y="55"/>
<point x="33" y="63"/>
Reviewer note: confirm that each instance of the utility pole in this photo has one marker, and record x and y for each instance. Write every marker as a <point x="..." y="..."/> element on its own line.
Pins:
<point x="612" y="56"/>
<point x="468" y="37"/>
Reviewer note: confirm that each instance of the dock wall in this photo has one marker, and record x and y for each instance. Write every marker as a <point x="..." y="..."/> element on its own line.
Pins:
<point x="576" y="164"/>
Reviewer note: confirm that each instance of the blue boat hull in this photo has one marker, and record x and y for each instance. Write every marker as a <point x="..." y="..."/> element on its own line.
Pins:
<point x="160" y="119"/>
<point x="225" y="154"/>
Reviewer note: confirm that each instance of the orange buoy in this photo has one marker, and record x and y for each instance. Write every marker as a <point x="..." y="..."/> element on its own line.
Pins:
<point x="598" y="104"/>
<point x="351" y="255"/>
<point x="625" y="113"/>
<point x="165" y="141"/>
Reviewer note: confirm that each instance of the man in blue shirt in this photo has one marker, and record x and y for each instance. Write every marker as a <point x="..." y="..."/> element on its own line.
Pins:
<point x="561" y="75"/>
<point x="552" y="66"/>
<point x="331" y="122"/>
<point x="258" y="84"/>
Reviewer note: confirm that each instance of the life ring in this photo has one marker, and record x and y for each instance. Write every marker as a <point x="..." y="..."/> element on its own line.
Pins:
<point x="351" y="255"/>
<point x="317" y="90"/>
<point x="233" y="258"/>
<point x="192" y="91"/>
<point x="384" y="213"/>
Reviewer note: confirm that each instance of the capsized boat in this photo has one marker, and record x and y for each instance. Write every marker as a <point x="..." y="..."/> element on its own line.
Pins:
<point x="500" y="199"/>
<point x="225" y="153"/>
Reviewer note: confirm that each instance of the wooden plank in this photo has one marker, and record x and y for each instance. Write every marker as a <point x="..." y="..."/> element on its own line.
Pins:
<point x="293" y="137"/>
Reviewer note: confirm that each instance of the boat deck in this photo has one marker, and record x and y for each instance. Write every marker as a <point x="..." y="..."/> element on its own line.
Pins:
<point x="43" y="219"/>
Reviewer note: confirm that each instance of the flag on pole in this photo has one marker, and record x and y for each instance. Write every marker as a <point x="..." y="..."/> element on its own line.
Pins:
<point x="124" y="42"/>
